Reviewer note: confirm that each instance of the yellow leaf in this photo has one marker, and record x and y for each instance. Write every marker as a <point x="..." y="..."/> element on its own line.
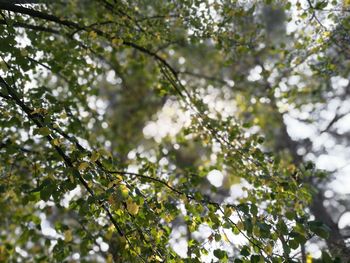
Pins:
<point x="168" y="218"/>
<point x="24" y="52"/>
<point x="104" y="153"/>
<point x="240" y="225"/>
<point x="82" y="166"/>
<point x="132" y="207"/>
<point x="119" y="178"/>
<point x="268" y="249"/>
<point x="93" y="34"/>
<point x="228" y="211"/>
<point x="63" y="115"/>
<point x="122" y="239"/>
<point x="44" y="131"/>
<point x="158" y="258"/>
<point x="35" y="111"/>
<point x="114" y="201"/>
<point x="112" y="184"/>
<point x="3" y="253"/>
<point x="68" y="236"/>
<point x="56" y="142"/>
<point x="124" y="191"/>
<point x="291" y="168"/>
<point x="3" y="66"/>
<point x="308" y="258"/>
<point x="111" y="200"/>
<point x="94" y="156"/>
<point x="326" y="34"/>
<point x="117" y="41"/>
<point x="115" y="182"/>
<point x="109" y="258"/>
<point x="109" y="16"/>
<point x="71" y="178"/>
<point x="224" y="237"/>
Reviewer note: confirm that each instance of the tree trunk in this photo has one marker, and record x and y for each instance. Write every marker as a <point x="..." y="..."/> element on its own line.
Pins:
<point x="335" y="242"/>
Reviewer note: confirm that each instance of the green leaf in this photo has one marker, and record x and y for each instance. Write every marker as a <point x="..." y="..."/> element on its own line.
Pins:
<point x="46" y="193"/>
<point x="319" y="229"/>
<point x="294" y="244"/>
<point x="321" y="4"/>
<point x="220" y="254"/>
<point x="326" y="258"/>
<point x="44" y="131"/>
<point x="245" y="251"/>
<point x="255" y="259"/>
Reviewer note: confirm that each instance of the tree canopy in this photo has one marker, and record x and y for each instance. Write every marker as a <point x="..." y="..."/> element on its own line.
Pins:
<point x="157" y="131"/>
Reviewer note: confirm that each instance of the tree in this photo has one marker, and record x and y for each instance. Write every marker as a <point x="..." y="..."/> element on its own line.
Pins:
<point x="92" y="169"/>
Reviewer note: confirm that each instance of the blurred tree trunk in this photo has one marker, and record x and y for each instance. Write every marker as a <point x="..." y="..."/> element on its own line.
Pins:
<point x="284" y="142"/>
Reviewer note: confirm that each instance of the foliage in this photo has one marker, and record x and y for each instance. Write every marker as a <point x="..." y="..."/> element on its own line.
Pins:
<point x="80" y="80"/>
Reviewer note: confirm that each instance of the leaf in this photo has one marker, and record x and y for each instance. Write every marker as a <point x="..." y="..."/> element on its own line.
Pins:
<point x="56" y="142"/>
<point x="245" y="251"/>
<point x="228" y="211"/>
<point x="288" y="6"/>
<point x="224" y="237"/>
<point x="24" y="52"/>
<point x="290" y="215"/>
<point x="269" y="249"/>
<point x="308" y="258"/>
<point x="114" y="201"/>
<point x="104" y="153"/>
<point x="117" y="42"/>
<point x="321" y="4"/>
<point x="220" y="254"/>
<point x="124" y="191"/>
<point x="294" y="244"/>
<point x="240" y="225"/>
<point x="282" y="227"/>
<point x="68" y="237"/>
<point x="254" y="209"/>
<point x="326" y="258"/>
<point x="319" y="229"/>
<point x="47" y="189"/>
<point x="44" y="131"/>
<point x="132" y="207"/>
<point x="92" y="34"/>
<point x="94" y="156"/>
<point x="83" y="166"/>
<point x="255" y="259"/>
